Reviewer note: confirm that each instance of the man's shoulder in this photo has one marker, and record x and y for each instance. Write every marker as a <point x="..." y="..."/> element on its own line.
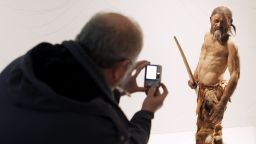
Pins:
<point x="207" y="36"/>
<point x="231" y="44"/>
<point x="231" y="40"/>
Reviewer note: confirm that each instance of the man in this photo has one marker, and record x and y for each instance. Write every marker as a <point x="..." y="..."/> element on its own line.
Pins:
<point x="66" y="93"/>
<point x="218" y="53"/>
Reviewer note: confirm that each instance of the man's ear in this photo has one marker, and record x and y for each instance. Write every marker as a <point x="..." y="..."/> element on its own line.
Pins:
<point x="120" y="69"/>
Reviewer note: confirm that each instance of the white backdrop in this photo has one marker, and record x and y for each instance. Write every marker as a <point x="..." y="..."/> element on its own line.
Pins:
<point x="25" y="23"/>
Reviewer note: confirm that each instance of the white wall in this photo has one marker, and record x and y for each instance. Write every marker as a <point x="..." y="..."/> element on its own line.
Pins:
<point x="28" y="22"/>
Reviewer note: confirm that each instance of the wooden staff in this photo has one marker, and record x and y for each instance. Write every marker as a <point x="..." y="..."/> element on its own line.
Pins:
<point x="185" y="61"/>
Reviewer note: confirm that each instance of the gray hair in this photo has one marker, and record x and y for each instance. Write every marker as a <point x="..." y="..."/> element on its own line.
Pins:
<point x="111" y="37"/>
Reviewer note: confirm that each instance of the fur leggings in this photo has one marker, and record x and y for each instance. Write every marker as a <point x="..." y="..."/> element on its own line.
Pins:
<point x="207" y="132"/>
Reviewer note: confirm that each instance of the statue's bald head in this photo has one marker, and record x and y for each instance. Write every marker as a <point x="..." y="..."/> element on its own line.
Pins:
<point x="110" y="37"/>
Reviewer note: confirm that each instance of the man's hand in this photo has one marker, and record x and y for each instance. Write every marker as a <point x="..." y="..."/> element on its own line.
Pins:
<point x="130" y="84"/>
<point x="154" y="99"/>
<point x="217" y="113"/>
<point x="192" y="84"/>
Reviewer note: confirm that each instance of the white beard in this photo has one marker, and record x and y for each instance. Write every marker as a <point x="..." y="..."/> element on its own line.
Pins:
<point x="217" y="35"/>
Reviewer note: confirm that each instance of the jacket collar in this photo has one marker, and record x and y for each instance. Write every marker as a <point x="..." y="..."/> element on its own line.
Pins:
<point x="91" y="67"/>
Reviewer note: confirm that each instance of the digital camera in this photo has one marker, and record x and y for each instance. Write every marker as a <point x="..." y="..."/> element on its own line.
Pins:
<point x="152" y="75"/>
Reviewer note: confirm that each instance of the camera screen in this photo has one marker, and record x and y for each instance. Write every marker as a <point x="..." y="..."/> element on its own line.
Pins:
<point x="151" y="72"/>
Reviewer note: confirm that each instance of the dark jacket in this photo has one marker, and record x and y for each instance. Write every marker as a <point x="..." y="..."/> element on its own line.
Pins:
<point x="55" y="94"/>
